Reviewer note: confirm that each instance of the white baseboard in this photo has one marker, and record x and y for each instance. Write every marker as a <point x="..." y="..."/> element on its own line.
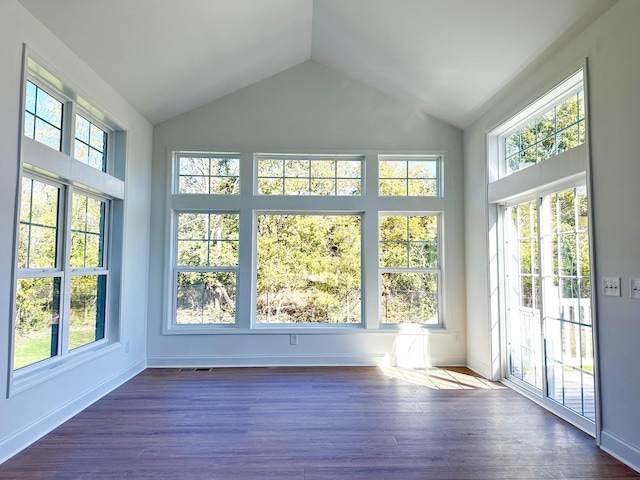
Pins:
<point x="194" y="361"/>
<point x="479" y="367"/>
<point x="43" y="425"/>
<point x="623" y="451"/>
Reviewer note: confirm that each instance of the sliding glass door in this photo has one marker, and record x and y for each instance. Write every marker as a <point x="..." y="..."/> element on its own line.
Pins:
<point x="548" y="300"/>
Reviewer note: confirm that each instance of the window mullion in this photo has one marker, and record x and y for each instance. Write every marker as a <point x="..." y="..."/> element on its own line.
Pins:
<point x="68" y="128"/>
<point x="64" y="223"/>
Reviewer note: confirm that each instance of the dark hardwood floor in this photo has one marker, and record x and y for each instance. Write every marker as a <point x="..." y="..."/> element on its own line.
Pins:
<point x="311" y="424"/>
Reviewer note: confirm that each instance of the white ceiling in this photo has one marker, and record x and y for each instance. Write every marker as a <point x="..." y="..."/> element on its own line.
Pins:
<point x="447" y="57"/>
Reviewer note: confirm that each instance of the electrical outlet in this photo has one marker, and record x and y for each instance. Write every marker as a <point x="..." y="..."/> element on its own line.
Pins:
<point x="293" y="339"/>
<point x="634" y="287"/>
<point x="611" y="286"/>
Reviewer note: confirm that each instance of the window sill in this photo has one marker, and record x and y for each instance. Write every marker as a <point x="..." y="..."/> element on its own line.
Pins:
<point x="45" y="370"/>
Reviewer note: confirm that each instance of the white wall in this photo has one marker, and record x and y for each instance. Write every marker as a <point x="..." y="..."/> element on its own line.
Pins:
<point x="26" y="416"/>
<point x="309" y="107"/>
<point x="611" y="43"/>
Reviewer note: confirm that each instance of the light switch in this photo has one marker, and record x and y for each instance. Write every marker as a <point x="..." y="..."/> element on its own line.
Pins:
<point x="634" y="287"/>
<point x="611" y="286"/>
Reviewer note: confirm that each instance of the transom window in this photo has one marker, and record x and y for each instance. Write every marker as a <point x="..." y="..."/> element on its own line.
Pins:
<point x="43" y="117"/>
<point x="213" y="174"/>
<point x="409" y="176"/>
<point x="90" y="144"/>
<point x="309" y="175"/>
<point x="551" y="131"/>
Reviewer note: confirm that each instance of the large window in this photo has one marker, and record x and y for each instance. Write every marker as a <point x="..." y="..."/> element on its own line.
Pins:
<point x="65" y="293"/>
<point x="343" y="253"/>
<point x="309" y="269"/>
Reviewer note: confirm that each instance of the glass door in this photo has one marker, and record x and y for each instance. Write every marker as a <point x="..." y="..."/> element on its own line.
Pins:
<point x="548" y="300"/>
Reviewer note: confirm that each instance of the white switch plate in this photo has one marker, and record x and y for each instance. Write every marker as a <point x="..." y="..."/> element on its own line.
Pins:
<point x="611" y="286"/>
<point x="634" y="287"/>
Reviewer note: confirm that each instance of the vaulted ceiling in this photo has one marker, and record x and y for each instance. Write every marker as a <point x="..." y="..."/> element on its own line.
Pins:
<point x="446" y="57"/>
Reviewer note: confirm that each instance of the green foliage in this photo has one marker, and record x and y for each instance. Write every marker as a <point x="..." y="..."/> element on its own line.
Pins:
<point x="309" y="269"/>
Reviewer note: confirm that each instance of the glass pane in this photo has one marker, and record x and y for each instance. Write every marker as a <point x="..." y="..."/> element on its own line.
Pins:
<point x="348" y="187"/>
<point x="37" y="246"/>
<point x="323" y="187"/>
<point x="392" y="169"/>
<point x="194" y="185"/>
<point x="349" y="169"/>
<point x="512" y="144"/>
<point x="207" y="239"/>
<point x="296" y="186"/>
<point x="87" y="232"/>
<point x="47" y="134"/>
<point x="423" y="188"/>
<point x="567" y="113"/>
<point x="393" y="187"/>
<point x="270" y="167"/>
<point x="323" y="168"/>
<point x="82" y="129"/>
<point x="394" y="255"/>
<point x="296" y="168"/>
<point x="96" y="159"/>
<point x="37" y="317"/>
<point x="225" y="185"/>
<point x="423" y="255"/>
<point x="48" y="108"/>
<point x="205" y="297"/>
<point x="88" y="306"/>
<point x="81" y="152"/>
<point x="98" y="138"/>
<point x="30" y="98"/>
<point x="409" y="298"/>
<point x="29" y="125"/>
<point x="271" y="186"/>
<point x="422" y="169"/>
<point x="193" y="166"/>
<point x="309" y="269"/>
<point x="225" y="167"/>
<point x="568" y="139"/>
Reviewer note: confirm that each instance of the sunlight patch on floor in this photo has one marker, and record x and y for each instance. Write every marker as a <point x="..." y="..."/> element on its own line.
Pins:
<point x="442" y="378"/>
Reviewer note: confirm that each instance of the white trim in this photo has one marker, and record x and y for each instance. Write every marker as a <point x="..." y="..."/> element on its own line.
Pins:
<point x="621" y="450"/>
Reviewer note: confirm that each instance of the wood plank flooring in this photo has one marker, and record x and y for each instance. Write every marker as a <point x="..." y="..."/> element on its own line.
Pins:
<point x="311" y="424"/>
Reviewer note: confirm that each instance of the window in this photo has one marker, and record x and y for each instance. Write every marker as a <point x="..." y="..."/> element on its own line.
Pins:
<point x="543" y="251"/>
<point x="411" y="176"/>
<point x="207" y="260"/>
<point x="250" y="258"/>
<point x="90" y="144"/>
<point x="309" y="175"/>
<point x="309" y="269"/>
<point x="409" y="268"/>
<point x="550" y="131"/>
<point x="43" y="117"/>
<point x="66" y="298"/>
<point x="208" y="174"/>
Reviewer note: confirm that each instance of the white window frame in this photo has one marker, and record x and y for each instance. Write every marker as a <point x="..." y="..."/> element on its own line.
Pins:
<point x="59" y="168"/>
<point x="249" y="204"/>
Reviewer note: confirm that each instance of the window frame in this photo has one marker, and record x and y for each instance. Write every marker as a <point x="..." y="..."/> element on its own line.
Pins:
<point x="249" y="203"/>
<point x="43" y="163"/>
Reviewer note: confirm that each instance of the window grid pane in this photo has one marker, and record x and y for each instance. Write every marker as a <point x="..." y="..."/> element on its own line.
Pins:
<point x="90" y="144"/>
<point x="43" y="117"/>
<point x="554" y="131"/>
<point x="209" y="175"/>
<point x="38" y="242"/>
<point x="309" y="175"/>
<point x="87" y="232"/>
<point x="409" y="269"/>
